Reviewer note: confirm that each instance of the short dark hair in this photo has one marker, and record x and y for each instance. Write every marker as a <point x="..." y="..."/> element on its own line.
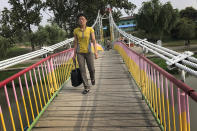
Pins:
<point x="81" y="14"/>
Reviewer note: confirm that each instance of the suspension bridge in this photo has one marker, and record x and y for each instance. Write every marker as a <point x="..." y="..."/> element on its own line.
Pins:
<point x="131" y="92"/>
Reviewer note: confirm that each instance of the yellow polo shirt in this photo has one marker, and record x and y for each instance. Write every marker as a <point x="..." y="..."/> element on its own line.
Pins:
<point x="83" y="37"/>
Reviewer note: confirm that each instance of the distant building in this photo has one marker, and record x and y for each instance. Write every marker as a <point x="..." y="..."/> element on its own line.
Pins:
<point x="127" y="24"/>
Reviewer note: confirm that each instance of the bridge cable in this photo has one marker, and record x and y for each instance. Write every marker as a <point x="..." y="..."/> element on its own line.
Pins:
<point x="183" y="61"/>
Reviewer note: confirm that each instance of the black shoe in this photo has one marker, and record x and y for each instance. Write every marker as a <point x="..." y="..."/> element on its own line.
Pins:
<point x="93" y="82"/>
<point x="85" y="91"/>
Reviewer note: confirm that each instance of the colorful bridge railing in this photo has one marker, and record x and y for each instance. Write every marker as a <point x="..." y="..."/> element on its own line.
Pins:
<point x="25" y="95"/>
<point x="160" y="90"/>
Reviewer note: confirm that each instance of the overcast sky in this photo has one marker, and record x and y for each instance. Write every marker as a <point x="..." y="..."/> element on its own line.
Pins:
<point x="180" y="4"/>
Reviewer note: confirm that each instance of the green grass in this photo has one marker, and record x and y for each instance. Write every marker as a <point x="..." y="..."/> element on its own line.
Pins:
<point x="6" y="74"/>
<point x="22" y="65"/>
<point x="27" y="44"/>
<point x="178" y="43"/>
<point x="15" y="51"/>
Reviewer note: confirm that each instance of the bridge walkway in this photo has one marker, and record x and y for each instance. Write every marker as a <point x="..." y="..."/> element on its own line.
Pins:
<point x="114" y="103"/>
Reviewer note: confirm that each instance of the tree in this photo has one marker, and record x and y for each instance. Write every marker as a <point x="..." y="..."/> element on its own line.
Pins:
<point x="190" y="13"/>
<point x="40" y="37"/>
<point x="156" y="19"/>
<point x="7" y="29"/>
<point x="185" y="29"/>
<point x="24" y="14"/>
<point x="48" y="35"/>
<point x="3" y="46"/>
<point x="54" y="34"/>
<point x="65" y="11"/>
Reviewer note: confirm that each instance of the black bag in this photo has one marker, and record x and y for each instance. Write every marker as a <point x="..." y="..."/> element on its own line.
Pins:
<point x="76" y="78"/>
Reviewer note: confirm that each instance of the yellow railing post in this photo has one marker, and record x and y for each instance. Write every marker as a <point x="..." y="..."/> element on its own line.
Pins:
<point x="111" y="34"/>
<point x="53" y="74"/>
<point x="2" y="119"/>
<point x="30" y="103"/>
<point x="183" y="112"/>
<point x="101" y="35"/>
<point x="10" y="109"/>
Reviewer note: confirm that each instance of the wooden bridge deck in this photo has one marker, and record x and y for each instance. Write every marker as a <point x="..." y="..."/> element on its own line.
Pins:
<point x="114" y="103"/>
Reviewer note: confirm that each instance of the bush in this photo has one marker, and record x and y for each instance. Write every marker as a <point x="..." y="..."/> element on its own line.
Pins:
<point x="55" y="34"/>
<point x="162" y="63"/>
<point x="48" y="35"/>
<point x="40" y="37"/>
<point x="16" y="51"/>
<point x="140" y="34"/>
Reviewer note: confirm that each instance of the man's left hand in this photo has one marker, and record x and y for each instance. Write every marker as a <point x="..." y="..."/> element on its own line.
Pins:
<point x="96" y="55"/>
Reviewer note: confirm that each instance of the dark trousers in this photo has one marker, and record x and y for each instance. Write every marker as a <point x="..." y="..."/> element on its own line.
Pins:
<point x="89" y="59"/>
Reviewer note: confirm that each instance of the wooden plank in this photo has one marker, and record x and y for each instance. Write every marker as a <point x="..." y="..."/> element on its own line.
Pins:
<point x="97" y="108"/>
<point x="84" y="103"/>
<point x="110" y="90"/>
<point x="98" y="123"/>
<point x="96" y="117"/>
<point x="102" y="98"/>
<point x="127" y="86"/>
<point x="103" y="93"/>
<point x="88" y="112"/>
<point x="81" y="128"/>
<point x="121" y="115"/>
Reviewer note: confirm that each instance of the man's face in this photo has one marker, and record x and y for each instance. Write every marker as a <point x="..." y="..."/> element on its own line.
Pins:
<point x="82" y="20"/>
